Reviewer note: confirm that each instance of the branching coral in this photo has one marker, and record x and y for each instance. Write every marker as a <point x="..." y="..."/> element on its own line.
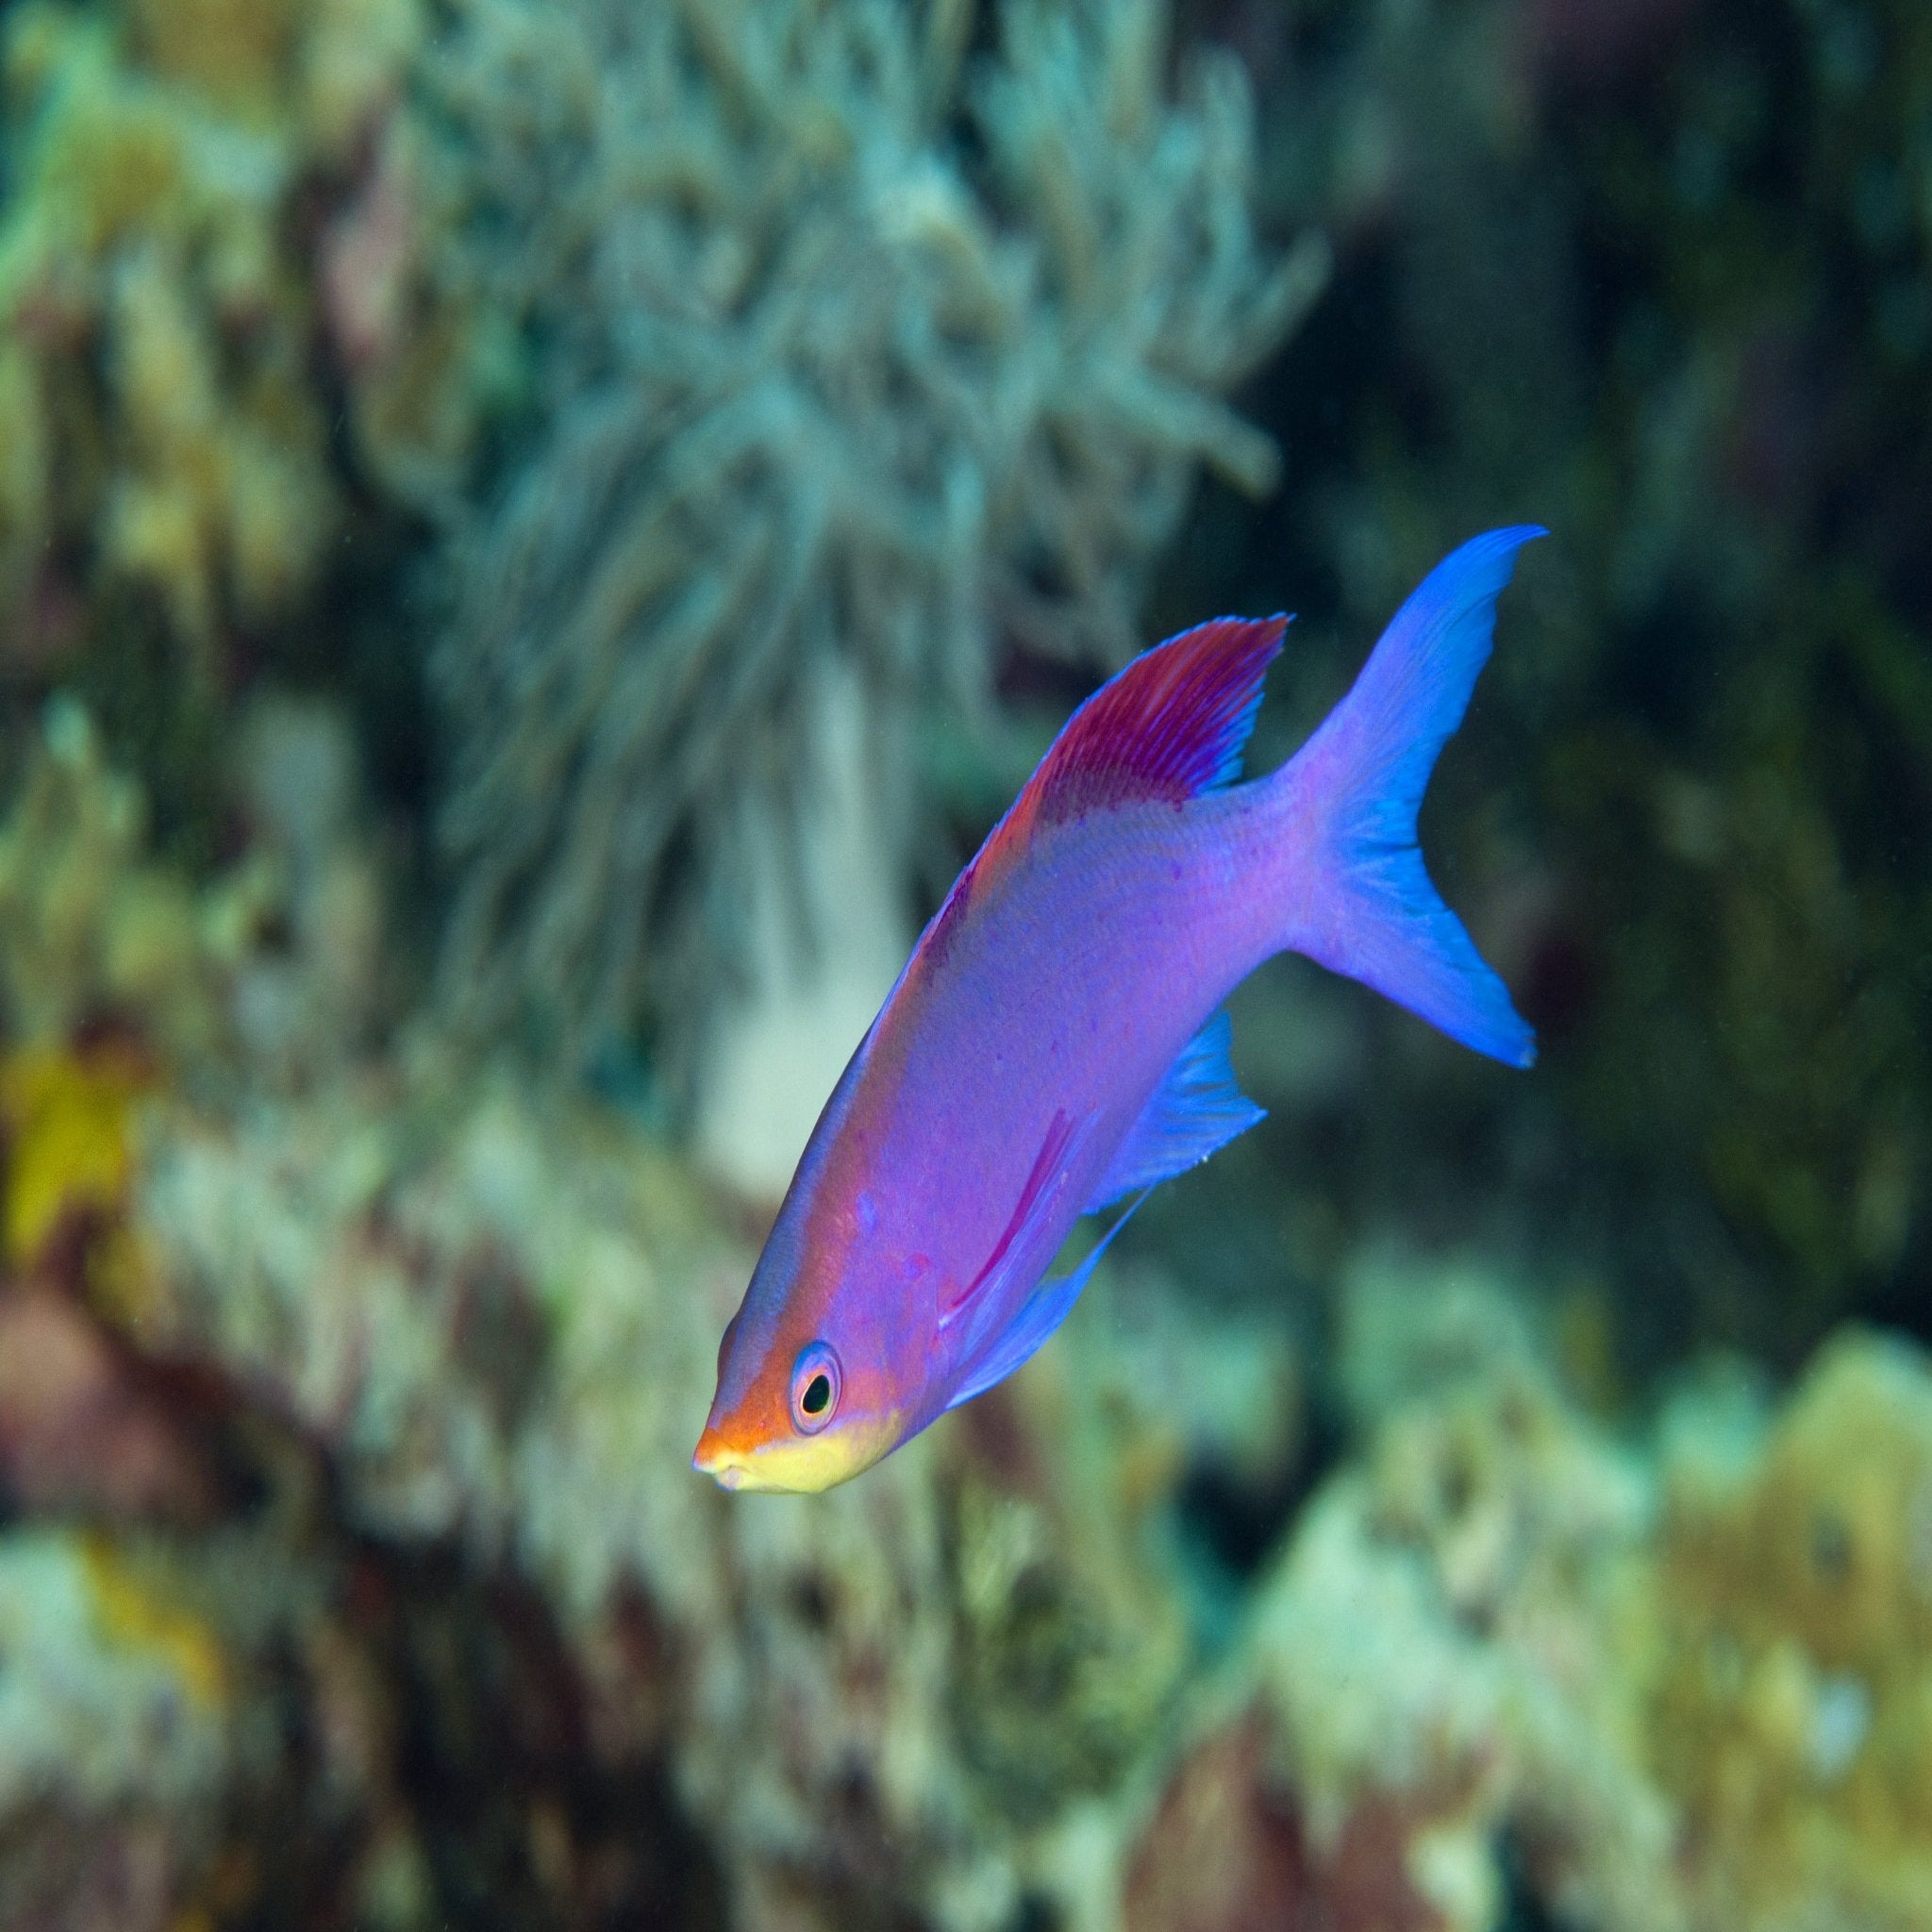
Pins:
<point x="169" y="296"/>
<point x="869" y="356"/>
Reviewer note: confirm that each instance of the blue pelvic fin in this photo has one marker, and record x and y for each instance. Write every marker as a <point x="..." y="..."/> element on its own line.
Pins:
<point x="1195" y="1109"/>
<point x="1371" y="911"/>
<point x="1038" y="1316"/>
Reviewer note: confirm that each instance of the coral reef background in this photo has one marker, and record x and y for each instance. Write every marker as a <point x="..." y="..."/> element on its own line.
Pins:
<point x="534" y="539"/>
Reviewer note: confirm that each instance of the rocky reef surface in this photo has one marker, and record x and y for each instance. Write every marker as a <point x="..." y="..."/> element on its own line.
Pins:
<point x="362" y="1578"/>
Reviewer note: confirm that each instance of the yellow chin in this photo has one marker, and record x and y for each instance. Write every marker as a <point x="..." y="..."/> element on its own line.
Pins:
<point x="801" y="1465"/>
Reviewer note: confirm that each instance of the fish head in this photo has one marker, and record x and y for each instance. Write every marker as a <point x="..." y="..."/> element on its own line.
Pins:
<point x="812" y="1371"/>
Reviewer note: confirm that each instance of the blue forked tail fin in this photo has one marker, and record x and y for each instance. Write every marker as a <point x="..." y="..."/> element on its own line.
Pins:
<point x="1366" y="905"/>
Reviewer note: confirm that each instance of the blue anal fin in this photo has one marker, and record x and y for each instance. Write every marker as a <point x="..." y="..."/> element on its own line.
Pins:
<point x="1039" y="1315"/>
<point x="1195" y="1109"/>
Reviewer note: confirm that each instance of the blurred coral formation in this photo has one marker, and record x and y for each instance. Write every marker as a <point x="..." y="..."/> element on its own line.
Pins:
<point x="860" y="364"/>
<point x="532" y="541"/>
<point x="1670" y="1684"/>
<point x="162" y="285"/>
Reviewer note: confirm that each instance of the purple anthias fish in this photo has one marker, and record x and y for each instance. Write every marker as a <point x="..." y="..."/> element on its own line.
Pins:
<point x="1056" y="1042"/>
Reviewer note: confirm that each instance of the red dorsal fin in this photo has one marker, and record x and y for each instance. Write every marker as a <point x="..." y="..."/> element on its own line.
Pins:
<point x="1171" y="725"/>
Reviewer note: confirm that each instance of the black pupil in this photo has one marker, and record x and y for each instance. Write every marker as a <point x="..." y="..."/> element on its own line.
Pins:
<point x="818" y="1391"/>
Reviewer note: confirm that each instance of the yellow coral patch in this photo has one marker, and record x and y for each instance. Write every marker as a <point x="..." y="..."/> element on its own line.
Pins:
<point x="233" y="49"/>
<point x="68" y="1120"/>
<point x="109" y="157"/>
<point x="1789" y="1717"/>
<point x="133" y="1615"/>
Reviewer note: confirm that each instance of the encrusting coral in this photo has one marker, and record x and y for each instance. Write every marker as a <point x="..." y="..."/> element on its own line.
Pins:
<point x="495" y="1324"/>
<point x="1787" y="1720"/>
<point x="1682" y="1688"/>
<point x="269" y="971"/>
<point x="456" y="1340"/>
<point x="114" y="1737"/>
<point x="870" y="358"/>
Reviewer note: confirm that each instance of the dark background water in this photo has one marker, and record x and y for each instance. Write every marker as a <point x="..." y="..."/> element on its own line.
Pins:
<point x="1656" y="277"/>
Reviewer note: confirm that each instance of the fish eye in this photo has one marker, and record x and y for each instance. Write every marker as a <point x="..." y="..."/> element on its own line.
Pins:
<point x="814" y="1388"/>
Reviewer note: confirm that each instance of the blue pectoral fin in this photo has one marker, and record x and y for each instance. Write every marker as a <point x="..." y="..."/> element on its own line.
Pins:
<point x="1039" y="1315"/>
<point x="1017" y="1253"/>
<point x="1195" y="1109"/>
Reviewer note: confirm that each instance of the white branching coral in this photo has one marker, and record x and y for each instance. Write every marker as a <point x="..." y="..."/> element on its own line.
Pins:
<point x="868" y="352"/>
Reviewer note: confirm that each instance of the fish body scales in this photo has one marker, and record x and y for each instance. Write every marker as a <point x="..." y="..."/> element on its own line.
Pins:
<point x="1056" y="1042"/>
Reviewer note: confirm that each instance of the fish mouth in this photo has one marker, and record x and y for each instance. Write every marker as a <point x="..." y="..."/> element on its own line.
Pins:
<point x="801" y="1466"/>
<point x="733" y="1468"/>
<point x="712" y="1459"/>
<point x="798" y="1469"/>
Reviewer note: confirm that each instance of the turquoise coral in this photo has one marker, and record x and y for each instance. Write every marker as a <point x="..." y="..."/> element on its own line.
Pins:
<point x="828" y="393"/>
